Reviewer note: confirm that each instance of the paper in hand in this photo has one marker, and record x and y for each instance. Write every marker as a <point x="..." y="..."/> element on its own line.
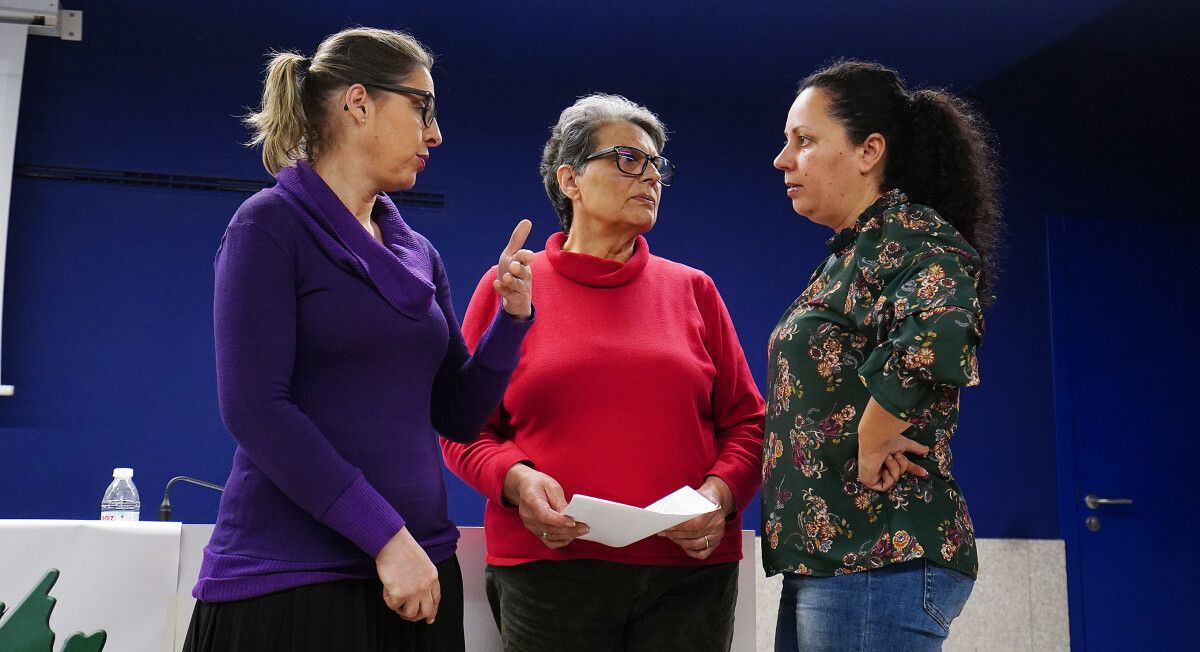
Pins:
<point x="618" y="525"/>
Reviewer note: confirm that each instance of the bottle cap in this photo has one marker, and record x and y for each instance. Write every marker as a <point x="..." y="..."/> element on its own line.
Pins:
<point x="122" y="473"/>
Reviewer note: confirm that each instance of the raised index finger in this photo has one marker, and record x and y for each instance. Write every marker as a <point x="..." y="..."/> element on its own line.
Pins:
<point x="518" y="237"/>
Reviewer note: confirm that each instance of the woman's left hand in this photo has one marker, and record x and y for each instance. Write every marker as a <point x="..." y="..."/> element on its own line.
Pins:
<point x="882" y="465"/>
<point x="699" y="536"/>
<point x="514" y="278"/>
<point x="883" y="449"/>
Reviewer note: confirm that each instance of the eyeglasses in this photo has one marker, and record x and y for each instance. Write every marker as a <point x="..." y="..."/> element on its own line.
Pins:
<point x="428" y="109"/>
<point x="633" y="161"/>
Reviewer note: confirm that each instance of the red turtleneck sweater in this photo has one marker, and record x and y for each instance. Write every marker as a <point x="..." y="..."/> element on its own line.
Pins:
<point x="631" y="384"/>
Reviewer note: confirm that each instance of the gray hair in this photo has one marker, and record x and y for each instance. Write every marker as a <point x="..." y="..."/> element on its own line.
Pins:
<point x="573" y="138"/>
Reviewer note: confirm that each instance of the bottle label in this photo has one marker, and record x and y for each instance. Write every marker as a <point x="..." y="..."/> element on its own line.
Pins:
<point x="119" y="516"/>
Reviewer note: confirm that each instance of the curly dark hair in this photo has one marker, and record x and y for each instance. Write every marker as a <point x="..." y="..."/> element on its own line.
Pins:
<point x="939" y="149"/>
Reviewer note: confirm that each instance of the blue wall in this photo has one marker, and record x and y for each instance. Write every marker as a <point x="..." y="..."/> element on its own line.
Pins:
<point x="107" y="306"/>
<point x="1099" y="127"/>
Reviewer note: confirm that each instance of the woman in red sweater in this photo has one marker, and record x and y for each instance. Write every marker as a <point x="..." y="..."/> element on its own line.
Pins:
<point x="631" y="384"/>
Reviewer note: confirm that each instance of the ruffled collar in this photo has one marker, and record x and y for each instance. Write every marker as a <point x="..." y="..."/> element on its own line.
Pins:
<point x="399" y="269"/>
<point x="844" y="239"/>
<point x="593" y="271"/>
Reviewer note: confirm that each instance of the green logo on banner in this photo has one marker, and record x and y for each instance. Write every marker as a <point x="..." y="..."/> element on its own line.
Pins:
<point x="27" y="627"/>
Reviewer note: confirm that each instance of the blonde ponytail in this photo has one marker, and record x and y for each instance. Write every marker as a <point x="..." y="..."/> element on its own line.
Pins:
<point x="279" y="124"/>
<point x="293" y="121"/>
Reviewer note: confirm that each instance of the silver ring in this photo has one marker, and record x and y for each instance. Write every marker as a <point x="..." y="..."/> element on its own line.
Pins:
<point x="707" y="545"/>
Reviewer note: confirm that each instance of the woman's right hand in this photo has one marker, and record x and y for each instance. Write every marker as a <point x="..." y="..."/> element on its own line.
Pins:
<point x="514" y="277"/>
<point x="410" y="580"/>
<point x="540" y="500"/>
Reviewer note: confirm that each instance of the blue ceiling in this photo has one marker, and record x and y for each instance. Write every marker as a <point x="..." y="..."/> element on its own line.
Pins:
<point x="158" y="85"/>
<point x="692" y="48"/>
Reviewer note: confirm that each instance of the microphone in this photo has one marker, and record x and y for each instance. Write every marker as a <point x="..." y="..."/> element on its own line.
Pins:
<point x="164" y="510"/>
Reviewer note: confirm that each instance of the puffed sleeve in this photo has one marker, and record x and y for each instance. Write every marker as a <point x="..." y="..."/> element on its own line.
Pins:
<point x="930" y="326"/>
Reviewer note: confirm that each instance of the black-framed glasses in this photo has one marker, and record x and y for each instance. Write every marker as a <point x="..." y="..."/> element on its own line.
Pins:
<point x="633" y="161"/>
<point x="428" y="109"/>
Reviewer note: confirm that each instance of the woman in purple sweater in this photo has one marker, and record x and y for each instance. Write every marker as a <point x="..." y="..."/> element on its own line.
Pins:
<point x="339" y="359"/>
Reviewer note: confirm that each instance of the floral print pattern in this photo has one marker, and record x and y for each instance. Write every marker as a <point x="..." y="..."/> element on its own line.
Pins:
<point x="891" y="314"/>
<point x="818" y="527"/>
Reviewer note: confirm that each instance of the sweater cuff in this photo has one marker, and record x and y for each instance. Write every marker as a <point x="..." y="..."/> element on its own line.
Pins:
<point x="364" y="517"/>
<point x="741" y="484"/>
<point x="499" y="348"/>
<point x="499" y="464"/>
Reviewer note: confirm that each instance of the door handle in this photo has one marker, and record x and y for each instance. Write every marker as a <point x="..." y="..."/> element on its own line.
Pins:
<point x="1093" y="501"/>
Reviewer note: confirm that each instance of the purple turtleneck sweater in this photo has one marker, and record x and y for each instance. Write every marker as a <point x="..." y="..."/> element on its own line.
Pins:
<point x="339" y="360"/>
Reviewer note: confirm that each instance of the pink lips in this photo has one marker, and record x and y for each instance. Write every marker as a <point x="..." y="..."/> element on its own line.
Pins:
<point x="424" y="158"/>
<point x="792" y="190"/>
<point x="647" y="199"/>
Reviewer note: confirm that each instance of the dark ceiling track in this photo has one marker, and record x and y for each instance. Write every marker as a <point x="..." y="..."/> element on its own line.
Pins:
<point x="187" y="182"/>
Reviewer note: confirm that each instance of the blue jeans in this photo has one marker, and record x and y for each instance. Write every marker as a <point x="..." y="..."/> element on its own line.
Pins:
<point x="907" y="606"/>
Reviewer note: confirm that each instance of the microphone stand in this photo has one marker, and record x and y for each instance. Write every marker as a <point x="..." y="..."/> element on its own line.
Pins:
<point x="164" y="510"/>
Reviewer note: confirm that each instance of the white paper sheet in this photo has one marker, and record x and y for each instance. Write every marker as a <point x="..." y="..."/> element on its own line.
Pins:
<point x="618" y="524"/>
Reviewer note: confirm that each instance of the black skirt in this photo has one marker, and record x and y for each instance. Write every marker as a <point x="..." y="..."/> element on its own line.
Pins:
<point x="343" y="615"/>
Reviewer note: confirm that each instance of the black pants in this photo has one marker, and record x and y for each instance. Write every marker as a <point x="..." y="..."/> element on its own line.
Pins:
<point x="343" y="615"/>
<point x="585" y="604"/>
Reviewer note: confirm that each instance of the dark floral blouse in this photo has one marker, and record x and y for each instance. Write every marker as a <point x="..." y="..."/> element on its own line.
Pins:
<point x="893" y="315"/>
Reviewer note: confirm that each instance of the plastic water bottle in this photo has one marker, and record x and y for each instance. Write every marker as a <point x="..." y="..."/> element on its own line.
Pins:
<point x="121" y="501"/>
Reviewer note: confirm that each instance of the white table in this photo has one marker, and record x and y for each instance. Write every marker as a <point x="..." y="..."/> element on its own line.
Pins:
<point x="134" y="581"/>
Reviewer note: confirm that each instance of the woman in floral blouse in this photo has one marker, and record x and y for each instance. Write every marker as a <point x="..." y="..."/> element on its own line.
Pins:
<point x="861" y="512"/>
